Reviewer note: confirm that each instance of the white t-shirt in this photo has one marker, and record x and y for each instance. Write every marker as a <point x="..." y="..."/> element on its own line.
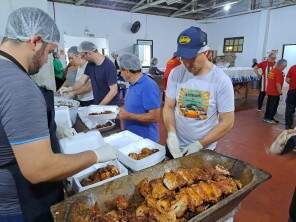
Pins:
<point x="199" y="100"/>
<point x="86" y="96"/>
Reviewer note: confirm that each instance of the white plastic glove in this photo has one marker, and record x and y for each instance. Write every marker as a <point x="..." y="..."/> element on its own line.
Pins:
<point x="173" y="145"/>
<point x="64" y="90"/>
<point x="68" y="95"/>
<point x="193" y="148"/>
<point x="105" y="153"/>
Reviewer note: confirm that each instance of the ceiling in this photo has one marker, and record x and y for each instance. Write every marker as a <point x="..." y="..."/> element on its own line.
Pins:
<point x="188" y="9"/>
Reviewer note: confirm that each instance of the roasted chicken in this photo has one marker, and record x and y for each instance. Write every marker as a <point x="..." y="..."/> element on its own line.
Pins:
<point x="176" y="197"/>
<point x="143" y="154"/>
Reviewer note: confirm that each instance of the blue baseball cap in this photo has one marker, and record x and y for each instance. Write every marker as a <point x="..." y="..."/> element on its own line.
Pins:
<point x="190" y="42"/>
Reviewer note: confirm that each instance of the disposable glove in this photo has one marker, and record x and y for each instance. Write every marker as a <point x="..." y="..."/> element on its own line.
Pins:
<point x="105" y="153"/>
<point x="173" y="145"/>
<point x="194" y="148"/>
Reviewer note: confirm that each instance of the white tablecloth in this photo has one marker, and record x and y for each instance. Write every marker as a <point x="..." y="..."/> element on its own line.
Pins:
<point x="241" y="74"/>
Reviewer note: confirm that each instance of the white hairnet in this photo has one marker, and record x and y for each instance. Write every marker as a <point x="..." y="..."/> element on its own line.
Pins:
<point x="129" y="62"/>
<point x="24" y="23"/>
<point x="87" y="46"/>
<point x="73" y="50"/>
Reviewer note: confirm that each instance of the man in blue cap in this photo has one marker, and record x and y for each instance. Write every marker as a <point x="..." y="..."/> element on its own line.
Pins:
<point x="199" y="106"/>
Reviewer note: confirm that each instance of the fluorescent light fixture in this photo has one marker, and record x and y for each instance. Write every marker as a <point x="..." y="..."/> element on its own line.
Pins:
<point x="227" y="7"/>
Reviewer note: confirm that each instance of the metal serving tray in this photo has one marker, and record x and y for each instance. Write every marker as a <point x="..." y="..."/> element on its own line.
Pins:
<point x="249" y="176"/>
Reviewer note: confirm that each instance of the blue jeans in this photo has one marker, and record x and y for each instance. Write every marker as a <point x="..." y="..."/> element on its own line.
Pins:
<point x="11" y="218"/>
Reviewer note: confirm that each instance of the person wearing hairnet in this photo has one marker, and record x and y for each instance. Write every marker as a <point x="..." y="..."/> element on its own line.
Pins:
<point x="29" y="168"/>
<point x="153" y="70"/>
<point x="199" y="105"/>
<point x="141" y="111"/>
<point x="83" y="93"/>
<point x="102" y="73"/>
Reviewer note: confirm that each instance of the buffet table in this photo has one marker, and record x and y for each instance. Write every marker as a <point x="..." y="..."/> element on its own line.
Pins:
<point x="241" y="77"/>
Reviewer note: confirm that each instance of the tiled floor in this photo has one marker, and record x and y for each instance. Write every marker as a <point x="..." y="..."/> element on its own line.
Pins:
<point x="248" y="141"/>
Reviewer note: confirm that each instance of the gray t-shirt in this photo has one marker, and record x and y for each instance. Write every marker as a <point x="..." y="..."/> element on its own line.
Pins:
<point x="199" y="100"/>
<point x="24" y="120"/>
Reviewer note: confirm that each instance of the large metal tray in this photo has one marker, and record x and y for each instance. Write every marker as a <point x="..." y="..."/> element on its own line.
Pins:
<point x="250" y="177"/>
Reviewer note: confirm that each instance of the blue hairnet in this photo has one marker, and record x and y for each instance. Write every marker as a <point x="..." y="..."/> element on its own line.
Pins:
<point x="87" y="46"/>
<point x="73" y="50"/>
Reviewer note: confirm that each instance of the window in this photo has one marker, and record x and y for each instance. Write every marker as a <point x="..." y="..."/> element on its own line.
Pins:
<point x="235" y="45"/>
<point x="144" y="49"/>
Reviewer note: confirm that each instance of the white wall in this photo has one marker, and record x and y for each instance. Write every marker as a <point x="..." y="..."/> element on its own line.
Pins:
<point x="115" y="26"/>
<point x="282" y="28"/>
<point x="245" y="25"/>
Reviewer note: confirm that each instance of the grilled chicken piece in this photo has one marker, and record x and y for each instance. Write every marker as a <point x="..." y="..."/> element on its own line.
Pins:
<point x="155" y="215"/>
<point x="150" y="201"/>
<point x="173" y="181"/>
<point x="194" y="199"/>
<point x="227" y="185"/>
<point x="144" y="187"/>
<point x="163" y="205"/>
<point x="212" y="191"/>
<point x="180" y="205"/>
<point x="112" y="216"/>
<point x="238" y="184"/>
<point x="121" y="203"/>
<point x="142" y="210"/>
<point x="186" y="174"/>
<point x="158" y="189"/>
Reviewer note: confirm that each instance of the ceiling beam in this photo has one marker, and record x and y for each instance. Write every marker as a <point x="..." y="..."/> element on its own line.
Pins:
<point x="204" y="9"/>
<point x="180" y="10"/>
<point x="80" y="2"/>
<point x="138" y="4"/>
<point x="123" y="2"/>
<point x="148" y="5"/>
<point x="112" y="7"/>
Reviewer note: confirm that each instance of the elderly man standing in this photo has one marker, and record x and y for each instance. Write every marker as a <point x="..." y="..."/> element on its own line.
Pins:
<point x="199" y="106"/>
<point x="102" y="73"/>
<point x="274" y="91"/>
<point x="266" y="67"/>
<point x="29" y="169"/>
<point x="141" y="110"/>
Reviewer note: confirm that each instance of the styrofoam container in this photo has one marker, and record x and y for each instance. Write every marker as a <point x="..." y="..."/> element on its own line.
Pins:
<point x="136" y="147"/>
<point x="62" y="117"/>
<point x="122" y="139"/>
<point x="85" y="173"/>
<point x="100" y="109"/>
<point x="81" y="142"/>
<point x="61" y="101"/>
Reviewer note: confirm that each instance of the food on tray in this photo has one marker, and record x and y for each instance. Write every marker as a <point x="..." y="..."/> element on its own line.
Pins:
<point x="100" y="126"/>
<point x="143" y="154"/>
<point x="100" y="113"/>
<point x="101" y="174"/>
<point x="177" y="196"/>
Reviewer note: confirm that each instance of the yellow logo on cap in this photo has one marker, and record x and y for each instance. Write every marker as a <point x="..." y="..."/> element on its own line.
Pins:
<point x="184" y="40"/>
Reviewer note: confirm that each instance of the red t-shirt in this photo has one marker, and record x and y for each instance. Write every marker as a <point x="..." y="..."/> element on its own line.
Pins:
<point x="172" y="63"/>
<point x="275" y="77"/>
<point x="266" y="67"/>
<point x="292" y="76"/>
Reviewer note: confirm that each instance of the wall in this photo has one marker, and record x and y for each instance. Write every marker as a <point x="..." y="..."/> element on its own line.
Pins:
<point x="244" y="25"/>
<point x="115" y="25"/>
<point x="282" y="28"/>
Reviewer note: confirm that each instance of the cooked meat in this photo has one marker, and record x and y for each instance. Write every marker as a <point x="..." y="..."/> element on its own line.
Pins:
<point x="180" y="205"/>
<point x="143" y="154"/>
<point x="121" y="203"/>
<point x="101" y="174"/>
<point x="163" y="205"/>
<point x="176" y="197"/>
<point x="158" y="189"/>
<point x="173" y="181"/>
<point x="144" y="187"/>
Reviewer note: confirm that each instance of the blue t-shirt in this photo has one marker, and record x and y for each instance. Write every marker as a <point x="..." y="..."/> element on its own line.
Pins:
<point x="143" y="96"/>
<point x="102" y="77"/>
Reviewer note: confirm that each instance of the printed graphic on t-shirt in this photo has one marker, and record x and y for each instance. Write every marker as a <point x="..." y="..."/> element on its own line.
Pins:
<point x="193" y="103"/>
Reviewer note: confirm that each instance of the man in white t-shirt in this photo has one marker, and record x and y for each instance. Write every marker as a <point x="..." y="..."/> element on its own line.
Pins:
<point x="199" y="106"/>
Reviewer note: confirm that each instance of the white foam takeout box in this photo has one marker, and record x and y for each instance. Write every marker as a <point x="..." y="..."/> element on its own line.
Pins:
<point x="122" y="139"/>
<point x="77" y="187"/>
<point x="61" y="102"/>
<point x="63" y="117"/>
<point x="100" y="109"/>
<point x="136" y="165"/>
<point x="81" y="142"/>
<point x="92" y="121"/>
